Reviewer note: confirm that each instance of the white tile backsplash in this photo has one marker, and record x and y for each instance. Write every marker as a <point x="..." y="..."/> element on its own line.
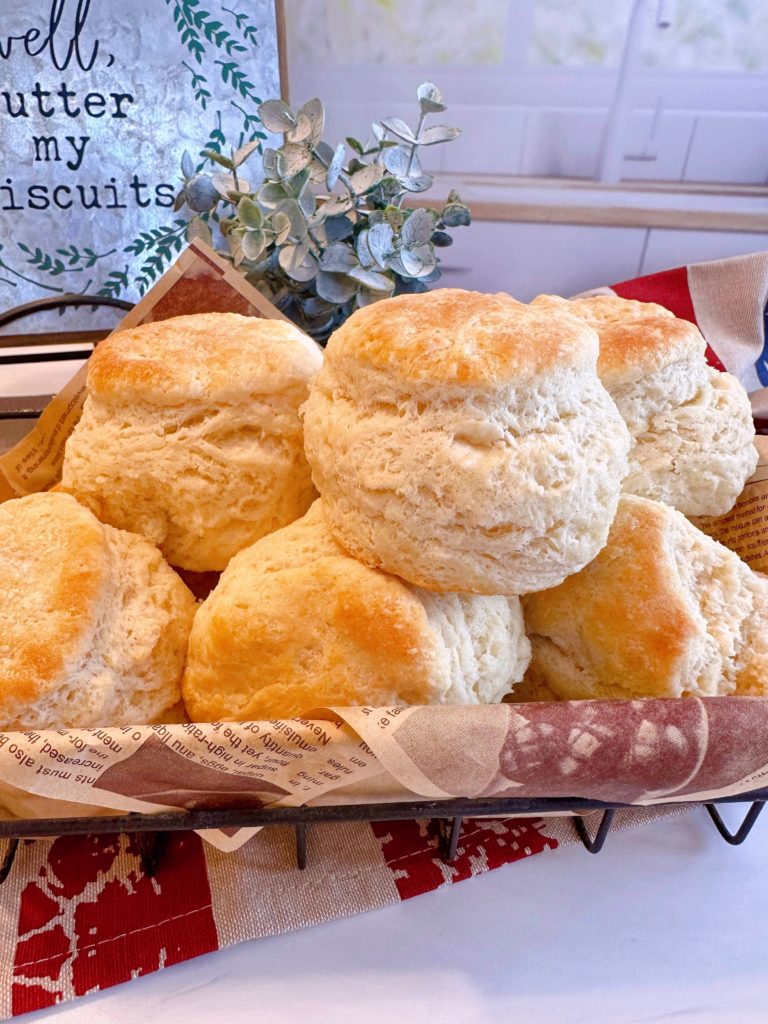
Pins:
<point x="667" y="141"/>
<point x="667" y="248"/>
<point x="730" y="147"/>
<point x="526" y="259"/>
<point x="491" y="140"/>
<point x="562" y="142"/>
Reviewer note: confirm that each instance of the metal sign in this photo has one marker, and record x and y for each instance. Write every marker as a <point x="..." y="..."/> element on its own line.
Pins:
<point x="98" y="101"/>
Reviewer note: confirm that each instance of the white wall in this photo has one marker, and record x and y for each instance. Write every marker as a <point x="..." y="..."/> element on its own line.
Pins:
<point x="698" y="104"/>
<point x="526" y="259"/>
<point x="699" y="112"/>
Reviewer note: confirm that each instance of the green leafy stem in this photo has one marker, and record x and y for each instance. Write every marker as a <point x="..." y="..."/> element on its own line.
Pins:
<point x="232" y="75"/>
<point x="241" y="20"/>
<point x="77" y="260"/>
<point x="157" y="246"/>
<point x="199" y="83"/>
<point x="190" y="22"/>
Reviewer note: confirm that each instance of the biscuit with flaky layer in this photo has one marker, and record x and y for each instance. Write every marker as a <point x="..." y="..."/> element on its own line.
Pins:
<point x="295" y="623"/>
<point x="93" y="623"/>
<point x="663" y="611"/>
<point x="463" y="442"/>
<point x="691" y="426"/>
<point x="191" y="434"/>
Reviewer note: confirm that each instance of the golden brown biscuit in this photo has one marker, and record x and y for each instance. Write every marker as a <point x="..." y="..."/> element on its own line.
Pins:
<point x="93" y="623"/>
<point x="191" y="434"/>
<point x="295" y="623"/>
<point x="691" y="426"/>
<point x="464" y="442"/>
<point x="663" y="611"/>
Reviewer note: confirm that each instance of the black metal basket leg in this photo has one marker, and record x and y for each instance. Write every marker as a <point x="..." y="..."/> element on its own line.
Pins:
<point x="8" y="859"/>
<point x="594" y="844"/>
<point x="450" y="833"/>
<point x="736" y="838"/>
<point x="301" y="846"/>
<point x="151" y="850"/>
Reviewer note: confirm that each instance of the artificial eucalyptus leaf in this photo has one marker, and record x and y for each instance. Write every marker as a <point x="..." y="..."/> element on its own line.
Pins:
<point x="187" y="167"/>
<point x="314" y="112"/>
<point x="201" y="194"/>
<point x="419" y="261"/>
<point x="337" y="228"/>
<point x="441" y="239"/>
<point x="409" y="286"/>
<point x="396" y="264"/>
<point x="438" y="133"/>
<point x="296" y="157"/>
<point x="217" y="158"/>
<point x="363" y="252"/>
<point x="307" y="203"/>
<point x="402" y="162"/>
<point x="277" y="116"/>
<point x="225" y="184"/>
<point x="281" y="225"/>
<point x="418" y="184"/>
<point x="418" y="228"/>
<point x="273" y="163"/>
<point x="197" y="228"/>
<point x="366" y="178"/>
<point x="298" y="225"/>
<point x="367" y="298"/>
<point x="355" y="145"/>
<point x="430" y="98"/>
<point x="296" y="185"/>
<point x="378" y="131"/>
<point x="271" y="194"/>
<point x="253" y="243"/>
<point x="317" y="172"/>
<point x="324" y="152"/>
<point x="310" y="120"/>
<point x="315" y="307"/>
<point x="388" y="190"/>
<point x="337" y="205"/>
<point x="242" y="154"/>
<point x="398" y="127"/>
<point x="237" y="251"/>
<point x="249" y="213"/>
<point x="336" y="288"/>
<point x="394" y="217"/>
<point x="335" y="166"/>
<point x="338" y="258"/>
<point x="380" y="239"/>
<point x="372" y="279"/>
<point x="455" y="214"/>
<point x="298" y="262"/>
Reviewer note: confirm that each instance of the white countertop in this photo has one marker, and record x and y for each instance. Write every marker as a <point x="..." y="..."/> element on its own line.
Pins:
<point x="667" y="924"/>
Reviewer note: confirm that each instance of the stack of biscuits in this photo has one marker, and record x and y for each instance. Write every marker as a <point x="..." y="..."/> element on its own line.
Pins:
<point x="468" y="499"/>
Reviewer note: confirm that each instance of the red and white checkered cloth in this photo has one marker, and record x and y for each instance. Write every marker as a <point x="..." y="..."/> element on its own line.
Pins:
<point x="78" y="914"/>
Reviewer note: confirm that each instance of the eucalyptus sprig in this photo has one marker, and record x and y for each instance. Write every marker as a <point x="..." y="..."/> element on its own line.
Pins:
<point x="326" y="230"/>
